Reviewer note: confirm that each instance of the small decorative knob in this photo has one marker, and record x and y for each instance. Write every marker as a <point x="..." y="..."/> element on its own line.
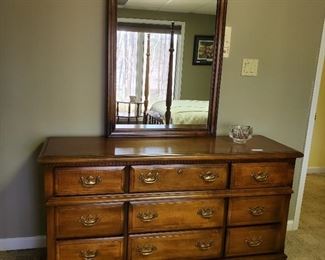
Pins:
<point x="180" y="171"/>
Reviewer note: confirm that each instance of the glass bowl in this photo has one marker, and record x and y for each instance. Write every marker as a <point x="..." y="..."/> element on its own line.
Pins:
<point x="240" y="134"/>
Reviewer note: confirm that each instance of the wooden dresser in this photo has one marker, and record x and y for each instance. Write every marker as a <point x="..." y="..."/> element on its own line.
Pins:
<point x="166" y="198"/>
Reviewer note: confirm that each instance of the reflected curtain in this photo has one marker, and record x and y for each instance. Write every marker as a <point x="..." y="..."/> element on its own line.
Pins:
<point x="130" y="65"/>
<point x="126" y="64"/>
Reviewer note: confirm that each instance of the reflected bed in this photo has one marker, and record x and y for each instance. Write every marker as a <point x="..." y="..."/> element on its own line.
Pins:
<point x="188" y="112"/>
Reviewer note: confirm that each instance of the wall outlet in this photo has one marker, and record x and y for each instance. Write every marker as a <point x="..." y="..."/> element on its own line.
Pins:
<point x="250" y="67"/>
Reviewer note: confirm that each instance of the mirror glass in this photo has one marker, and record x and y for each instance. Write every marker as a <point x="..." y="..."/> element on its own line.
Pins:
<point x="164" y="44"/>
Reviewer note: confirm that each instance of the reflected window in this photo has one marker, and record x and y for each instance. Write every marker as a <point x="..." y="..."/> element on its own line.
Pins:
<point x="127" y="76"/>
<point x="132" y="42"/>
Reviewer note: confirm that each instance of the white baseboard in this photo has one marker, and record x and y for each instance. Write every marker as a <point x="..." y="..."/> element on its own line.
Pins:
<point x="316" y="170"/>
<point x="22" y="243"/>
<point x="290" y="226"/>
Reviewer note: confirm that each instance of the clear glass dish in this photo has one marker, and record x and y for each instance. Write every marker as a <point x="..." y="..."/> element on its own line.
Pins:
<point x="240" y="134"/>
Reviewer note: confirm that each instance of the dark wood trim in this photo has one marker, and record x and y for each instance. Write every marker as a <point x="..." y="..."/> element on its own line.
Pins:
<point x="87" y="161"/>
<point x="260" y="257"/>
<point x="78" y="200"/>
<point x="221" y="15"/>
<point x="161" y="130"/>
<point x="48" y="182"/>
<point x="111" y="65"/>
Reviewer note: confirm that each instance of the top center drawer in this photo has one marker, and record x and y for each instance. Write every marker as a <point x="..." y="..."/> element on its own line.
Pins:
<point x="178" y="177"/>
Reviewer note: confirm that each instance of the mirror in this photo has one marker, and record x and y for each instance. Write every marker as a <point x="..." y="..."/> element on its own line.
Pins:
<point x="164" y="64"/>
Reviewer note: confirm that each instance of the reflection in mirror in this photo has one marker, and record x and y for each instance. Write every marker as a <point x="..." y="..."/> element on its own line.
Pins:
<point x="164" y="62"/>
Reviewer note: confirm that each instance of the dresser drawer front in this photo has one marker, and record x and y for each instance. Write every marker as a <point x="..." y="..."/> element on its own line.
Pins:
<point x="90" y="249"/>
<point x="89" y="221"/>
<point x="260" y="175"/>
<point x="89" y="180"/>
<point x="176" y="245"/>
<point x="178" y="177"/>
<point x="257" y="210"/>
<point x="253" y="240"/>
<point x="171" y="215"/>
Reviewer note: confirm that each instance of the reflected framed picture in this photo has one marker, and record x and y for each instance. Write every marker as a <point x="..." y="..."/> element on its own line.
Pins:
<point x="203" y="49"/>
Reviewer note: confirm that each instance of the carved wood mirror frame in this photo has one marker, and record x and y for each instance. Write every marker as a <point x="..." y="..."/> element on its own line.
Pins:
<point x="112" y="130"/>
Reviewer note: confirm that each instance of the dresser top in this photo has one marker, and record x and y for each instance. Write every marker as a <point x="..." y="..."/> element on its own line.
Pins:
<point x="58" y="150"/>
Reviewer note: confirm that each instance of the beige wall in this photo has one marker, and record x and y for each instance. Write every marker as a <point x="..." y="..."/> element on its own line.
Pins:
<point x="196" y="79"/>
<point x="285" y="36"/>
<point x="52" y="83"/>
<point x="317" y="155"/>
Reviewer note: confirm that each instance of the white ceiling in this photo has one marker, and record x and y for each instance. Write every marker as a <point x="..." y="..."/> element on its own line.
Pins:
<point x="181" y="6"/>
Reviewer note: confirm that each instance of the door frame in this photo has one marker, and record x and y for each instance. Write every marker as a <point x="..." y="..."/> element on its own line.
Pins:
<point x="310" y="130"/>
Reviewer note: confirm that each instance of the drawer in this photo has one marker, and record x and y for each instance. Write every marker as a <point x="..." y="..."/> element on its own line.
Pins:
<point x="260" y="175"/>
<point x="258" y="210"/>
<point x="90" y="249"/>
<point x="163" y="215"/>
<point x="254" y="240"/>
<point x="178" y="177"/>
<point x="177" y="245"/>
<point x="89" y="180"/>
<point x="89" y="221"/>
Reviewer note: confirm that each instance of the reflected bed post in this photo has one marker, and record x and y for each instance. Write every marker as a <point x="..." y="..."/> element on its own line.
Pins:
<point x="170" y="77"/>
<point x="146" y="86"/>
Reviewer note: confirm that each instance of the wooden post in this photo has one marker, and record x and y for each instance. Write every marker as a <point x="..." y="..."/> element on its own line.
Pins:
<point x="146" y="85"/>
<point x="170" y="77"/>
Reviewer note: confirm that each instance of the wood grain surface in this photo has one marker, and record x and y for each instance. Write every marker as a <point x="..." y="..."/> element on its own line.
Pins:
<point x="90" y="150"/>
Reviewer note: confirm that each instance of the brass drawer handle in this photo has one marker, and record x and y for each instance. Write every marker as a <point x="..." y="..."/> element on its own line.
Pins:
<point x="204" y="245"/>
<point x="89" y="220"/>
<point x="88" y="254"/>
<point x="260" y="177"/>
<point x="147" y="216"/>
<point x="90" y="181"/>
<point x="209" y="176"/>
<point x="206" y="213"/>
<point x="147" y="249"/>
<point x="257" y="211"/>
<point x="254" y="242"/>
<point x="149" y="178"/>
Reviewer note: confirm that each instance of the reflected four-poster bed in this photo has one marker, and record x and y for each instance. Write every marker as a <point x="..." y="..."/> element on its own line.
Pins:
<point x="169" y="111"/>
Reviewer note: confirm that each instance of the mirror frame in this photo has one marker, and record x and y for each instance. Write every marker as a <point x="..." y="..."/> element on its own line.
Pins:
<point x="162" y="131"/>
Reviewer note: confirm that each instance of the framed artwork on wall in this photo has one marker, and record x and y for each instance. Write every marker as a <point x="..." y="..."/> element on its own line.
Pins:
<point x="203" y="49"/>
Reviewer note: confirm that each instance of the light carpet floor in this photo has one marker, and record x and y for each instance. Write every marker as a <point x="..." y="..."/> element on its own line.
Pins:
<point x="308" y="242"/>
